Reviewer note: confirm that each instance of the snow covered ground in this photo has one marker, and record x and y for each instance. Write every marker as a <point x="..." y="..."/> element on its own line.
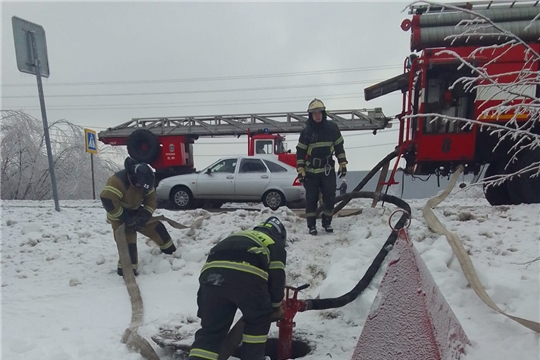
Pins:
<point x="62" y="300"/>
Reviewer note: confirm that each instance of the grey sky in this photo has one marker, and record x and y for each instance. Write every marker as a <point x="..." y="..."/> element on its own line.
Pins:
<point x="135" y="41"/>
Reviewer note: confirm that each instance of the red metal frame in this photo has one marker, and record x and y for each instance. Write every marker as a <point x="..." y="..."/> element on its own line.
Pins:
<point x="434" y="148"/>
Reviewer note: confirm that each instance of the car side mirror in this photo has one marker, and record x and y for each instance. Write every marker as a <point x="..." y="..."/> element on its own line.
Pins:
<point x="289" y="151"/>
<point x="208" y="171"/>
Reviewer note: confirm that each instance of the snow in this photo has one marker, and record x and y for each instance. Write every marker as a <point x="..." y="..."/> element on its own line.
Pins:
<point x="62" y="299"/>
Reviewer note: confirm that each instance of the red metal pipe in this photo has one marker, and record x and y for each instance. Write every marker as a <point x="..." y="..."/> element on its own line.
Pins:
<point x="286" y="324"/>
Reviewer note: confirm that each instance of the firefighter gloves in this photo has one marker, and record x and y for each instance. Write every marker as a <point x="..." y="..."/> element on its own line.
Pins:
<point x="342" y="169"/>
<point x="277" y="314"/>
<point x="131" y="224"/>
<point x="301" y="174"/>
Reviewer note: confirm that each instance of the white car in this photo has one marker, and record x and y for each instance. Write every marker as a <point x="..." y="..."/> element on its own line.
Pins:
<point x="235" y="179"/>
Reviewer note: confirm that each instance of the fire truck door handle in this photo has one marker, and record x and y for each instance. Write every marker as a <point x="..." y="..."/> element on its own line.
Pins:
<point x="264" y="176"/>
<point x="230" y="176"/>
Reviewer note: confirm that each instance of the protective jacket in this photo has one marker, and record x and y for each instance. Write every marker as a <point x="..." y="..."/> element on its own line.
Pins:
<point x="122" y="200"/>
<point x="247" y="258"/>
<point x="317" y="144"/>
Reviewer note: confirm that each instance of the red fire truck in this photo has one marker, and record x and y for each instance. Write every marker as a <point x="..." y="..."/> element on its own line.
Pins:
<point x="167" y="143"/>
<point x="434" y="145"/>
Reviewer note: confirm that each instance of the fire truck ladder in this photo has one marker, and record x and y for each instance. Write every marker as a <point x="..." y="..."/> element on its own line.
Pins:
<point x="236" y="125"/>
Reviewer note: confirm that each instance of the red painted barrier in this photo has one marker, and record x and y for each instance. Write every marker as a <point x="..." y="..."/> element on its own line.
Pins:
<point x="409" y="318"/>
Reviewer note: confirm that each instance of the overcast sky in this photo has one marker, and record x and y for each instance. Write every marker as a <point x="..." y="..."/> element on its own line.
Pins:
<point x="318" y="46"/>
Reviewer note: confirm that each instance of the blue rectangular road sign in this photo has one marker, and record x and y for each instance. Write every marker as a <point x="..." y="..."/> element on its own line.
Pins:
<point x="91" y="141"/>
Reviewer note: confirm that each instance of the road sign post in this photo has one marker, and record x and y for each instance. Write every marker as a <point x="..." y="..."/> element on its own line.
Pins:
<point x="31" y="53"/>
<point x="90" y="139"/>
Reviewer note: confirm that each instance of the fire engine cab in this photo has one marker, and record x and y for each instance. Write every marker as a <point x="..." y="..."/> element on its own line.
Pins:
<point x="501" y="93"/>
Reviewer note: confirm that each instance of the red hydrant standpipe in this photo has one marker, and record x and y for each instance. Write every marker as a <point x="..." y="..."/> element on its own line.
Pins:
<point x="286" y="324"/>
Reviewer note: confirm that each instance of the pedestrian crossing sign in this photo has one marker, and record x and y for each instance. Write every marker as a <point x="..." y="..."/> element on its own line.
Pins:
<point x="90" y="141"/>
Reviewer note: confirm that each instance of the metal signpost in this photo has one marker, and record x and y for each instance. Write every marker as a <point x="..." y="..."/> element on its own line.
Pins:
<point x="31" y="53"/>
<point x="90" y="139"/>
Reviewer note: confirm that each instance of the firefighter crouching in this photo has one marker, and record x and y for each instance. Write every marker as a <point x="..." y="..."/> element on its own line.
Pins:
<point x="244" y="271"/>
<point x="315" y="165"/>
<point x="129" y="198"/>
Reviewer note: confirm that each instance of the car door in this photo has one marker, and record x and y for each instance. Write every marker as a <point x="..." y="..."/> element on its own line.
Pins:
<point x="252" y="179"/>
<point x="217" y="181"/>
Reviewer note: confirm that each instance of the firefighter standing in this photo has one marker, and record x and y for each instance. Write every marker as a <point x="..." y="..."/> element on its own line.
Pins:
<point x="244" y="271"/>
<point x="129" y="198"/>
<point x="315" y="165"/>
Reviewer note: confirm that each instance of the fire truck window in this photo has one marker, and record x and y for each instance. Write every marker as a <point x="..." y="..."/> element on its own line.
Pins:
<point x="274" y="167"/>
<point x="252" y="166"/>
<point x="263" y="146"/>
<point x="280" y="146"/>
<point x="446" y="101"/>
<point x="224" y="166"/>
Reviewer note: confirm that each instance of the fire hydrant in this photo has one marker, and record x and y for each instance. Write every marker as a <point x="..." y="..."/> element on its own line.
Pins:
<point x="286" y="323"/>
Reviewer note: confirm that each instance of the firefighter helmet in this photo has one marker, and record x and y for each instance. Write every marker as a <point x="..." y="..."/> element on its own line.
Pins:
<point x="144" y="176"/>
<point x="316" y="105"/>
<point x="274" y="228"/>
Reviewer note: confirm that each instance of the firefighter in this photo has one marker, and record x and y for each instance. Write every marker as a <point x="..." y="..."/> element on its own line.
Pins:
<point x="129" y="198"/>
<point x="315" y="165"/>
<point x="245" y="271"/>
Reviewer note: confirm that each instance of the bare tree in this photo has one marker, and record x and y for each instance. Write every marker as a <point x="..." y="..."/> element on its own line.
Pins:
<point x="519" y="95"/>
<point x="24" y="166"/>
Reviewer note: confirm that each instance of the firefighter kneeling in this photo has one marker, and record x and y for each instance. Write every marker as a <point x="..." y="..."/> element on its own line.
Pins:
<point x="244" y="271"/>
<point x="315" y="164"/>
<point x="130" y="198"/>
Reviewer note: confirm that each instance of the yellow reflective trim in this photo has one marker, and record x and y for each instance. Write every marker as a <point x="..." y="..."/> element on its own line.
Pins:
<point x="321" y="144"/>
<point x="276" y="265"/>
<point x="114" y="190"/>
<point x="149" y="209"/>
<point x="300" y="162"/>
<point x="338" y="141"/>
<point x="278" y="304"/>
<point x="301" y="146"/>
<point x="204" y="354"/>
<point x="166" y="245"/>
<point x="256" y="250"/>
<point x="341" y="156"/>
<point x="261" y="239"/>
<point x="151" y="191"/>
<point x="315" y="171"/>
<point x="117" y="214"/>
<point x="328" y="213"/>
<point x="254" y="339"/>
<point x="311" y="214"/>
<point x="134" y="266"/>
<point x="245" y="267"/>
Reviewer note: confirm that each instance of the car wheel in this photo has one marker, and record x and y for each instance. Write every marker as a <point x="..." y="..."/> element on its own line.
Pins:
<point x="273" y="199"/>
<point x="182" y="198"/>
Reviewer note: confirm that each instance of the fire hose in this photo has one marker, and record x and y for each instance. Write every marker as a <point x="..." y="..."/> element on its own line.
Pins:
<point x="293" y="305"/>
<point x="131" y="337"/>
<point x="344" y="199"/>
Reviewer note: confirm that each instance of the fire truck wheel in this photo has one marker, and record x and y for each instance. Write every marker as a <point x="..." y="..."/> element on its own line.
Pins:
<point x="496" y="194"/>
<point x="143" y="145"/>
<point x="527" y="187"/>
<point x="273" y="199"/>
<point x="182" y="198"/>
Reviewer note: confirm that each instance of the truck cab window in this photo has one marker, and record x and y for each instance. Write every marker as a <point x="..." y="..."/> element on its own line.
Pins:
<point x="448" y="101"/>
<point x="264" y="147"/>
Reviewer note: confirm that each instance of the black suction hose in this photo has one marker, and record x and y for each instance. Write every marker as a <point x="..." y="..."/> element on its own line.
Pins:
<point x="321" y="304"/>
<point x="362" y="183"/>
